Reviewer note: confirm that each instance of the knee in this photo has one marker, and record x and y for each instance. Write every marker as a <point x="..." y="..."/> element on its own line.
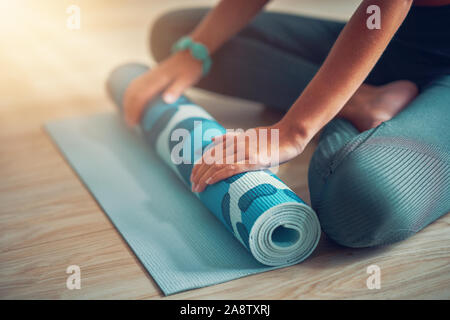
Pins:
<point x="378" y="195"/>
<point x="357" y="212"/>
<point x="171" y="26"/>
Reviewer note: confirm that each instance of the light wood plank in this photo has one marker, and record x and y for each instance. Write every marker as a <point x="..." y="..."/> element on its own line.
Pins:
<point x="109" y="270"/>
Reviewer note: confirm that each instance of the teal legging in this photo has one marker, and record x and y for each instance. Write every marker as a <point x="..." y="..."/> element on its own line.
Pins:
<point x="370" y="188"/>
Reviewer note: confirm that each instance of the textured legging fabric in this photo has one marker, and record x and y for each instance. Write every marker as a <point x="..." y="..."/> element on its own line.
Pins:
<point x="371" y="188"/>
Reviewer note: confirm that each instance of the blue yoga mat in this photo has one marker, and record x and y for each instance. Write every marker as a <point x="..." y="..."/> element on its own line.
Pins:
<point x="246" y="224"/>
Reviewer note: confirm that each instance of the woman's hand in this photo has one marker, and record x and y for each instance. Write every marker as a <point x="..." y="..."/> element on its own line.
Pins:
<point x="174" y="75"/>
<point x="254" y="149"/>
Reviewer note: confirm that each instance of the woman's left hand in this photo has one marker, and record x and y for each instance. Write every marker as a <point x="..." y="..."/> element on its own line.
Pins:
<point x="254" y="149"/>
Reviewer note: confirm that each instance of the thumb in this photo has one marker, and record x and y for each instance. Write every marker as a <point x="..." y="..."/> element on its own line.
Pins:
<point x="175" y="90"/>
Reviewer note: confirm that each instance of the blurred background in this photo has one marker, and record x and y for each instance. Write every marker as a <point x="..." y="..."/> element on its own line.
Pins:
<point x="49" y="71"/>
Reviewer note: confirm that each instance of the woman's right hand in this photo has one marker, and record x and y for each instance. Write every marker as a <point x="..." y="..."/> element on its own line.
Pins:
<point x="174" y="75"/>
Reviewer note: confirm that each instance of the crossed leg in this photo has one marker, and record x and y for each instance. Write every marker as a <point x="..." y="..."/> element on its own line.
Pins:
<point x="369" y="188"/>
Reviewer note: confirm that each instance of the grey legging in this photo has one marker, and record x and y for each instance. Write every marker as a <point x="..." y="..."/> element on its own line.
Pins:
<point x="369" y="188"/>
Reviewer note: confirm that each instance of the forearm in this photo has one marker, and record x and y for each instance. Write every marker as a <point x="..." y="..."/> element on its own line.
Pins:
<point x="354" y="54"/>
<point x="225" y="20"/>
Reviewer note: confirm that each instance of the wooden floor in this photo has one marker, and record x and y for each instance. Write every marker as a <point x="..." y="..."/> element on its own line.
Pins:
<point x="48" y="219"/>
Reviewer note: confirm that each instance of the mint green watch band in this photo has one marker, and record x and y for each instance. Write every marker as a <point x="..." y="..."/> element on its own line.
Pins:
<point x="197" y="50"/>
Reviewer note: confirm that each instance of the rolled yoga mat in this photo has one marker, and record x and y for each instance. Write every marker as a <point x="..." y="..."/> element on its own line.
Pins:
<point x="264" y="214"/>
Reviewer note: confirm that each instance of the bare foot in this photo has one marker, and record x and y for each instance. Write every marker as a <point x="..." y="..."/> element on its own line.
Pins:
<point x="370" y="106"/>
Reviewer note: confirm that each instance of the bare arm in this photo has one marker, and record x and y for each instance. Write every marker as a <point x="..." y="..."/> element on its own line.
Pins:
<point x="181" y="71"/>
<point x="354" y="54"/>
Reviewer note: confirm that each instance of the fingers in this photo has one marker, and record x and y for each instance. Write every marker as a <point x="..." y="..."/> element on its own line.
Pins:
<point x="229" y="171"/>
<point x="227" y="148"/>
<point x="201" y="169"/>
<point x="204" y="174"/>
<point x="174" y="91"/>
<point x="211" y="151"/>
<point x="204" y="178"/>
<point x="179" y="71"/>
<point x="139" y="93"/>
<point x="215" y="173"/>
